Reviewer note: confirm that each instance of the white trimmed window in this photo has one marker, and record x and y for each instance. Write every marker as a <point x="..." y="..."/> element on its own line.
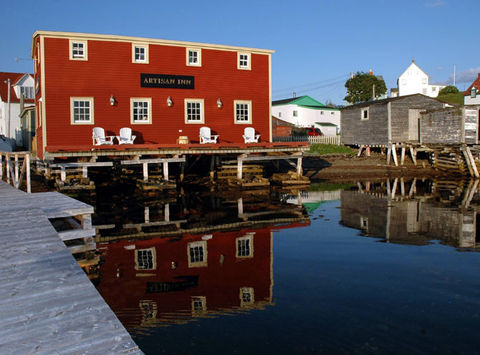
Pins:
<point x="78" y="50"/>
<point x="197" y="254"/>
<point x="145" y="259"/>
<point x="194" y="57"/>
<point x="139" y="53"/>
<point x="473" y="93"/>
<point x="364" y="113"/>
<point x="194" y="111"/>
<point x="247" y="296"/>
<point x="295" y="113"/>
<point x="199" y="304"/>
<point x="81" y="110"/>
<point x="27" y="92"/>
<point x="244" y="61"/>
<point x="245" y="246"/>
<point x="140" y="110"/>
<point x="243" y="111"/>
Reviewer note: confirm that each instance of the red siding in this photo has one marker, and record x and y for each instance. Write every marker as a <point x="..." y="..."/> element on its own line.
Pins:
<point x="110" y="71"/>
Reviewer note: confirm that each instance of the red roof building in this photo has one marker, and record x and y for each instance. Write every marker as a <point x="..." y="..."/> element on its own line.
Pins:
<point x="161" y="89"/>
<point x="472" y="94"/>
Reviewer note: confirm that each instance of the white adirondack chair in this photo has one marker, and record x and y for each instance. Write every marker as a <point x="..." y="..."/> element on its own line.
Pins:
<point x="249" y="135"/>
<point x="206" y="136"/>
<point x="99" y="138"/>
<point x="126" y="136"/>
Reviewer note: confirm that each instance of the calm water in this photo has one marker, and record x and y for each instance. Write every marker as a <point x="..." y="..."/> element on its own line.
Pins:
<point x="360" y="268"/>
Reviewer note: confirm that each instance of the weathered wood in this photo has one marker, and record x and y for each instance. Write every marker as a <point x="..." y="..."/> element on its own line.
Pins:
<point x="402" y="156"/>
<point x="394" y="154"/>
<point x="472" y="162"/>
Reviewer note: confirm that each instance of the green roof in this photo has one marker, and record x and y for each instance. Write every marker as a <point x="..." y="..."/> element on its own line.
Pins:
<point x="300" y="101"/>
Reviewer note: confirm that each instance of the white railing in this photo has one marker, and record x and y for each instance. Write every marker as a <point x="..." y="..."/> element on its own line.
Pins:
<point x="324" y="140"/>
<point x="14" y="172"/>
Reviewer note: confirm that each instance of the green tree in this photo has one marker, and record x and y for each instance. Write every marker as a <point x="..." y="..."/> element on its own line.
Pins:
<point x="362" y="86"/>
<point x="450" y="89"/>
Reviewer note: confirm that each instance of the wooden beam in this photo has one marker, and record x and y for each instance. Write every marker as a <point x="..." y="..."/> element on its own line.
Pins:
<point x="299" y="166"/>
<point x="29" y="184"/>
<point x="394" y="154"/>
<point x="165" y="170"/>
<point x="413" y="154"/>
<point x="145" y="171"/>
<point x="402" y="156"/>
<point x="360" y="151"/>
<point x="389" y="153"/>
<point x="472" y="160"/>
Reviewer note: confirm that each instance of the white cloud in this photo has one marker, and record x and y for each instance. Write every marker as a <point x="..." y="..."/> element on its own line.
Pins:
<point x="465" y="76"/>
<point x="435" y="3"/>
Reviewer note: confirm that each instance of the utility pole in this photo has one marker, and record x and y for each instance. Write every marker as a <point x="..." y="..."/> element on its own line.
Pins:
<point x="373" y="91"/>
<point x="7" y="123"/>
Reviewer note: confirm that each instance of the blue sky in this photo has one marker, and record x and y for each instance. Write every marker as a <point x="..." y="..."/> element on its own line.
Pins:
<point x="317" y="43"/>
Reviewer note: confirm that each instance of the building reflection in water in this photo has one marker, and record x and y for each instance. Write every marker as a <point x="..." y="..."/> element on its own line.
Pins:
<point x="192" y="263"/>
<point x="415" y="212"/>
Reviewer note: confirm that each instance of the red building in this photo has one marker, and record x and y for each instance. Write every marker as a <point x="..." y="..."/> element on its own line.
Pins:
<point x="160" y="89"/>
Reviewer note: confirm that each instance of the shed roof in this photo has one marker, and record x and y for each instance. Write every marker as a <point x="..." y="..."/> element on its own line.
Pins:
<point x="385" y="101"/>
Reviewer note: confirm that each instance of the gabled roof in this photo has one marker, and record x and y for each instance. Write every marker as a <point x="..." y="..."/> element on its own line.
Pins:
<point x="387" y="100"/>
<point x="415" y="65"/>
<point x="475" y="84"/>
<point x="14" y="78"/>
<point x="300" y="101"/>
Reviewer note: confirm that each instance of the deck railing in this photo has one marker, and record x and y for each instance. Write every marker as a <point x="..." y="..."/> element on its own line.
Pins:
<point x="310" y="139"/>
<point x="13" y="171"/>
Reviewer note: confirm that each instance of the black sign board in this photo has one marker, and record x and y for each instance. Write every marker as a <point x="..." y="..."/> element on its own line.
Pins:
<point x="167" y="81"/>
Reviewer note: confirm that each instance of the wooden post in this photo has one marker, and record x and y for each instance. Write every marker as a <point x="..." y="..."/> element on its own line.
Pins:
<point x="165" y="170"/>
<point x="7" y="167"/>
<point x="1" y="166"/>
<point x="472" y="160"/>
<point x="413" y="154"/>
<point x="212" y="168"/>
<point x="402" y="186"/>
<point x="394" y="188"/>
<point x="299" y="166"/>
<point x="29" y="184"/>
<point x="402" y="156"/>
<point x="367" y="150"/>
<point x="394" y="154"/>
<point x="389" y="153"/>
<point x="182" y="171"/>
<point x="16" y="169"/>
<point x="388" y="187"/>
<point x="145" y="171"/>
<point x="467" y="160"/>
<point x="146" y="214"/>
<point x="166" y="210"/>
<point x="360" y="151"/>
<point x="85" y="171"/>
<point x="413" y="188"/>
<point x="239" y="168"/>
<point x="63" y="174"/>
<point x="240" y="206"/>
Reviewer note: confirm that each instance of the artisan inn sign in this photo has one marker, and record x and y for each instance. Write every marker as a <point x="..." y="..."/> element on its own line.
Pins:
<point x="167" y="81"/>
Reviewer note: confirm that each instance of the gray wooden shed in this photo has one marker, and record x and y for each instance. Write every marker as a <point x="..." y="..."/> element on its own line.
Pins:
<point x="451" y="125"/>
<point x="384" y="122"/>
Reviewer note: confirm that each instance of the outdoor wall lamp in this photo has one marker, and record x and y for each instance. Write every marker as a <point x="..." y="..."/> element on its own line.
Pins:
<point x="112" y="100"/>
<point x="219" y="103"/>
<point x="169" y="101"/>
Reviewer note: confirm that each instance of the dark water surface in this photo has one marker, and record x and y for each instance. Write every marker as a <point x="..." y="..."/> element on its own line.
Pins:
<point x="360" y="268"/>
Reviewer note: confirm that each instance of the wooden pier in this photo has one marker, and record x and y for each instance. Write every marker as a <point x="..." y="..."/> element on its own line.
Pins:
<point x="47" y="303"/>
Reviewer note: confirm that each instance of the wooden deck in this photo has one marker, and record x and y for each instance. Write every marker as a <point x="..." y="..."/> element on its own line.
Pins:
<point x="47" y="303"/>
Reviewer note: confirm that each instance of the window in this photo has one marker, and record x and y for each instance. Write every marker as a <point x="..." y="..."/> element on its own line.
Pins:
<point x="140" y="53"/>
<point x="279" y="114"/>
<point x="141" y="112"/>
<point x="321" y="112"/>
<point x="473" y="93"/>
<point x="194" y="111"/>
<point x="27" y="92"/>
<point x="364" y="223"/>
<point x="145" y="259"/>
<point x="148" y="309"/>
<point x="81" y="110"/>
<point x="197" y="254"/>
<point x="243" y="112"/>
<point x="364" y="113"/>
<point x="295" y="113"/>
<point x="194" y="57"/>
<point x="78" y="50"/>
<point x="332" y="113"/>
<point x="247" y="296"/>
<point x="199" y="304"/>
<point x="434" y="89"/>
<point x="244" y="61"/>
<point x="245" y="246"/>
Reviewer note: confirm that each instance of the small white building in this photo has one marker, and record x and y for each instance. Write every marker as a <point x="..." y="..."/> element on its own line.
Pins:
<point x="304" y="111"/>
<point x="472" y="94"/>
<point x="415" y="81"/>
<point x="18" y="83"/>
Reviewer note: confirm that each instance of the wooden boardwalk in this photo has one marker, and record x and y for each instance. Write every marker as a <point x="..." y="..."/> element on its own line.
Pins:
<point x="47" y="303"/>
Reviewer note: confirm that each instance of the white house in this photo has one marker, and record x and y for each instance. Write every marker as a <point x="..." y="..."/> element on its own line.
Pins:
<point x="472" y="94"/>
<point x="415" y="81"/>
<point x="18" y="84"/>
<point x="304" y="111"/>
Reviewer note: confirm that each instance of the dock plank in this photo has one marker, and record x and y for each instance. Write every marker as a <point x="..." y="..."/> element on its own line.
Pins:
<point x="47" y="303"/>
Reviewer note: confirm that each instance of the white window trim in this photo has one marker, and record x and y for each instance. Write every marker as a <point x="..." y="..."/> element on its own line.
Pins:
<point x="199" y="56"/>
<point x="368" y="113"/>
<point x="249" y="290"/>
<point x="203" y="299"/>
<point x="249" y="66"/>
<point x="136" y="99"/>
<point x="154" y="259"/>
<point x="245" y="237"/>
<point x="92" y="110"/>
<point x="140" y="45"/>
<point x="203" y="263"/>
<point x="202" y="111"/>
<point x="249" y="103"/>
<point x="85" y="49"/>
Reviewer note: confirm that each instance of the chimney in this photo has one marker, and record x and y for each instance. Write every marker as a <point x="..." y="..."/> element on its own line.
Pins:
<point x="413" y="60"/>
<point x="370" y="72"/>
<point x="294" y="95"/>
